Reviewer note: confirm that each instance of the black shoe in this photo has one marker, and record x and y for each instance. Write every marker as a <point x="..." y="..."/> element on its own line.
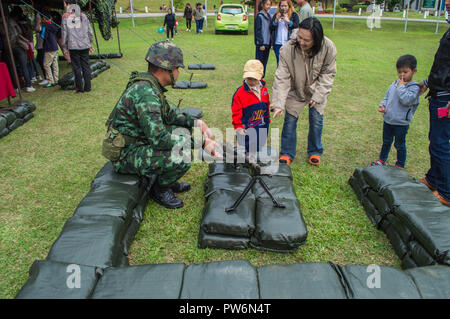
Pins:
<point x="180" y="187"/>
<point x="165" y="197"/>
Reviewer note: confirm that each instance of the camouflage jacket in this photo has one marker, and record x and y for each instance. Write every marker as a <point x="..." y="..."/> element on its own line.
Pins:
<point x="142" y="112"/>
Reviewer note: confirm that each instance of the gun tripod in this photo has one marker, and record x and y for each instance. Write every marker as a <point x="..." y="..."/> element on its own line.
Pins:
<point x="256" y="177"/>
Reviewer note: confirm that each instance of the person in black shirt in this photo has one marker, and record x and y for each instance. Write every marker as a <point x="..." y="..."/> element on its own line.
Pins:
<point x="169" y="20"/>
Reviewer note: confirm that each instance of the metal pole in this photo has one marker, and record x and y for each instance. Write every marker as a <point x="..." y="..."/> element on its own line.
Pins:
<point x="93" y="28"/>
<point x="407" y="12"/>
<point x="334" y="12"/>
<point x="11" y="57"/>
<point x="206" y="13"/>
<point x="132" y="12"/>
<point x="439" y="17"/>
<point x="118" y="36"/>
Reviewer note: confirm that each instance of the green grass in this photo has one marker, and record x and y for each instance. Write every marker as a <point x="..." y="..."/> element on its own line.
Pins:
<point x="46" y="166"/>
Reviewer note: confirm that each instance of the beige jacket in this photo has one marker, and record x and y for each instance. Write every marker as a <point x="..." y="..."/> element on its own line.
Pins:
<point x="298" y="80"/>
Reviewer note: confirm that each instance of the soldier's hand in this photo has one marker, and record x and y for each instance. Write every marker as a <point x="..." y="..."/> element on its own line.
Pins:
<point x="211" y="147"/>
<point x="206" y="131"/>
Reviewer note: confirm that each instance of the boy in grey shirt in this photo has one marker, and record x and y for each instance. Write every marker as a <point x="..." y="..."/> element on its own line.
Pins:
<point x="399" y="105"/>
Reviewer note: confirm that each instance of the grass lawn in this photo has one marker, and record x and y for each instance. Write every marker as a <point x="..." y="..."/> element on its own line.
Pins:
<point x="46" y="166"/>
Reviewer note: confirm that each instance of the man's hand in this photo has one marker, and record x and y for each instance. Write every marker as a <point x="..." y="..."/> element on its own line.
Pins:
<point x="262" y="48"/>
<point x="381" y="108"/>
<point x="91" y="49"/>
<point x="312" y="103"/>
<point x="423" y="87"/>
<point x="211" y="148"/>
<point x="277" y="111"/>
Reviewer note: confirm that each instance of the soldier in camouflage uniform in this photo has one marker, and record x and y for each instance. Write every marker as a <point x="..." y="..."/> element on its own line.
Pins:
<point x="140" y="127"/>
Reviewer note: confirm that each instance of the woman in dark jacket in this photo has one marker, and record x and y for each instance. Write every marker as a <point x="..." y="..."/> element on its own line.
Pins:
<point x="169" y="20"/>
<point x="188" y="16"/>
<point x="437" y="178"/>
<point x="284" y="21"/>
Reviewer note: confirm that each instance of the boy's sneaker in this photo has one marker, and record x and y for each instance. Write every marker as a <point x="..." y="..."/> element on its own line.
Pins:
<point x="401" y="167"/>
<point x="30" y="89"/>
<point x="45" y="82"/>
<point x="378" y="163"/>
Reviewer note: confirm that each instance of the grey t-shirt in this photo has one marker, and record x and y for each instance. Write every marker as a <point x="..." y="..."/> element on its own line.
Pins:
<point x="305" y="12"/>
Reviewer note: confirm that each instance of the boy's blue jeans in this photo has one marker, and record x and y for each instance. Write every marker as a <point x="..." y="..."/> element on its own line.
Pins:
<point x="276" y="50"/>
<point x="399" y="133"/>
<point x="289" y="134"/>
<point x="439" y="136"/>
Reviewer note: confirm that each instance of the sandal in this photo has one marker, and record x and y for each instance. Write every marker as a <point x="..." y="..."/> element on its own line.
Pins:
<point x="314" y="160"/>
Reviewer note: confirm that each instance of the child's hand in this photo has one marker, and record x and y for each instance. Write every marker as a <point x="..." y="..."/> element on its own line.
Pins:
<point x="401" y="82"/>
<point x="241" y="131"/>
<point x="382" y="108"/>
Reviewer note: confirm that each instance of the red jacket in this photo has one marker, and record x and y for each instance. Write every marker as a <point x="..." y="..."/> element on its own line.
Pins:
<point x="248" y="110"/>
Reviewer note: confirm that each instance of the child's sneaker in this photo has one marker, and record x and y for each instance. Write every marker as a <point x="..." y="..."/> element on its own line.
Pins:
<point x="399" y="166"/>
<point x="378" y="163"/>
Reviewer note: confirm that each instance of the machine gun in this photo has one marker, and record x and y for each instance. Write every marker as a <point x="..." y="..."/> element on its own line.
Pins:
<point x="257" y="170"/>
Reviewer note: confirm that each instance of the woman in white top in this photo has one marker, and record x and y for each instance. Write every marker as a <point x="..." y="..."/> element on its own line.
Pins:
<point x="284" y="21"/>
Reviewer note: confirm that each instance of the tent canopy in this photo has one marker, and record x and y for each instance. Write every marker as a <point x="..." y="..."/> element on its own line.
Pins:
<point x="103" y="10"/>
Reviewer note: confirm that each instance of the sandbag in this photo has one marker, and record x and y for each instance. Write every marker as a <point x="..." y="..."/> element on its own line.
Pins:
<point x="397" y="243"/>
<point x="3" y="123"/>
<point x="231" y="182"/>
<point x="408" y="262"/>
<point x="432" y="282"/>
<point x="206" y="240"/>
<point x="371" y="212"/>
<point x="20" y="110"/>
<point x="201" y="66"/>
<point x="358" y="175"/>
<point x="4" y="132"/>
<point x="300" y="281"/>
<point x="280" y="187"/>
<point x="31" y="107"/>
<point x="379" y="202"/>
<point x="233" y="279"/>
<point x="161" y="281"/>
<point x="194" y="112"/>
<point x="218" y="168"/>
<point x="107" y="175"/>
<point x="9" y="116"/>
<point x="420" y="255"/>
<point x="379" y="177"/>
<point x="393" y="283"/>
<point x="17" y="123"/>
<point x="278" y="229"/>
<point x="92" y="241"/>
<point x="430" y="227"/>
<point x="409" y="193"/>
<point x="240" y="222"/>
<point x="356" y="187"/>
<point x="51" y="280"/>
<point x="28" y="117"/>
<point x="117" y="55"/>
<point x="403" y="231"/>
<point x="108" y="200"/>
<point x="277" y="170"/>
<point x="190" y="85"/>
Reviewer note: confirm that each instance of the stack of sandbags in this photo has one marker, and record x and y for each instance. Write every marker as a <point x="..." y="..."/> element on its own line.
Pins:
<point x="255" y="222"/>
<point x="415" y="222"/>
<point x="67" y="82"/>
<point x="105" y="222"/>
<point x="190" y="85"/>
<point x="16" y="115"/>
<point x="201" y="66"/>
<point x="235" y="279"/>
<point x="194" y="112"/>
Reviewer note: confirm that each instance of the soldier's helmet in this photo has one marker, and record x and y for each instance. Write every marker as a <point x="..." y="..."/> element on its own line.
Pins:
<point x="165" y="55"/>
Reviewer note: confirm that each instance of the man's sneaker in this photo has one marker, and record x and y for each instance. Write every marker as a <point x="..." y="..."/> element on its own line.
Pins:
<point x="378" y="163"/>
<point x="441" y="199"/>
<point x="284" y="160"/>
<point x="45" y="82"/>
<point x="425" y="182"/>
<point x="33" y="79"/>
<point x="30" y="89"/>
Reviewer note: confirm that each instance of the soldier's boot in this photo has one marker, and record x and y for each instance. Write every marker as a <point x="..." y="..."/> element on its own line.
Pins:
<point x="165" y="196"/>
<point x="180" y="187"/>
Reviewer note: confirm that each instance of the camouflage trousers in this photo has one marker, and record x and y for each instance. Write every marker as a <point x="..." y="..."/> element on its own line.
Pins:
<point x="143" y="160"/>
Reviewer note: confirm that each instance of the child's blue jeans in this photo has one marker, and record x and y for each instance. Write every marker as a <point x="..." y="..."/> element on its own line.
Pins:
<point x="399" y="133"/>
